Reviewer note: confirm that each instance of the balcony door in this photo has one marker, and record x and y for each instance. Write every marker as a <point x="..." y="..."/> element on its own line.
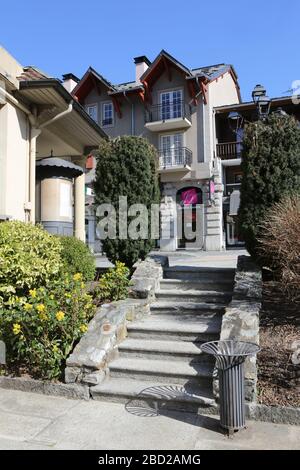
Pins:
<point x="171" y="104"/>
<point x="171" y="147"/>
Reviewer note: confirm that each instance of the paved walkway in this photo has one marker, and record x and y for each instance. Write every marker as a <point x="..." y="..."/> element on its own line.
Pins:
<point x="32" y="421"/>
<point x="218" y="259"/>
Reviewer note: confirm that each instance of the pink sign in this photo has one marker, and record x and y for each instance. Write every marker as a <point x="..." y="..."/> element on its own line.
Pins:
<point x="211" y="187"/>
<point x="189" y="197"/>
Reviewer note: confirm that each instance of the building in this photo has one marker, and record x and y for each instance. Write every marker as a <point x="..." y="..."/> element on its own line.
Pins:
<point x="229" y="135"/>
<point x="40" y="120"/>
<point x="173" y="107"/>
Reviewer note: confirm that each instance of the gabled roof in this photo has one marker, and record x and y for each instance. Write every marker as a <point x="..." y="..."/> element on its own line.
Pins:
<point x="87" y="82"/>
<point x="164" y="55"/>
<point x="163" y="62"/>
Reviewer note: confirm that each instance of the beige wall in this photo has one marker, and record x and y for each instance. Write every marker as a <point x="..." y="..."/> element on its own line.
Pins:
<point x="14" y="150"/>
<point x="199" y="138"/>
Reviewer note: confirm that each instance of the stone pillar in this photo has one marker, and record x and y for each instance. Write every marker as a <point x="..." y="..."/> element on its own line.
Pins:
<point x="80" y="207"/>
<point x="168" y="217"/>
<point x="214" y="218"/>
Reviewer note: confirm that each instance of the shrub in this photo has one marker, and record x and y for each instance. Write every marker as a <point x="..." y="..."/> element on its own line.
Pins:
<point x="279" y="244"/>
<point x="126" y="166"/>
<point x="41" y="328"/>
<point x="271" y="169"/>
<point x="29" y="257"/>
<point x="77" y="257"/>
<point x="114" y="284"/>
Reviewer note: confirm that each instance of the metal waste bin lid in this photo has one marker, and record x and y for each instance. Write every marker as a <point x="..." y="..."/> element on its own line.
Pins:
<point x="230" y="348"/>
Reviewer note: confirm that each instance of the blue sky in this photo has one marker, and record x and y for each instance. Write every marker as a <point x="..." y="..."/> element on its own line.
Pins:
<point x="260" y="38"/>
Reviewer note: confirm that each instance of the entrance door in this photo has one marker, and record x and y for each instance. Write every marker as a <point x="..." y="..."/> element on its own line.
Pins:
<point x="171" y="104"/>
<point x="190" y="218"/>
<point x="171" y="150"/>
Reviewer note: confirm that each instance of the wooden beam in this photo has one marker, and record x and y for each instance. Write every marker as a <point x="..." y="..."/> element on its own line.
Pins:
<point x="192" y="92"/>
<point x="204" y="91"/>
<point x="148" y="96"/>
<point x="117" y="106"/>
<point x="167" y="68"/>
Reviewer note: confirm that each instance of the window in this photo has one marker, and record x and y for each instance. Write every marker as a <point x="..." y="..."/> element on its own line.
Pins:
<point x="107" y="114"/>
<point x="171" y="150"/>
<point x="92" y="111"/>
<point x="171" y="104"/>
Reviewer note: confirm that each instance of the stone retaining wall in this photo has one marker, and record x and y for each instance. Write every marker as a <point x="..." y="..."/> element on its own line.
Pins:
<point x="88" y="364"/>
<point x="241" y="319"/>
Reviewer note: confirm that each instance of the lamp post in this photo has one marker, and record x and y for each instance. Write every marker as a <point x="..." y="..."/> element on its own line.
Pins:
<point x="262" y="101"/>
<point x="236" y="121"/>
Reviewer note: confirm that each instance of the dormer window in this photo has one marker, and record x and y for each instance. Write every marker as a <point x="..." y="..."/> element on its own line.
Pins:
<point x="92" y="111"/>
<point x="107" y="114"/>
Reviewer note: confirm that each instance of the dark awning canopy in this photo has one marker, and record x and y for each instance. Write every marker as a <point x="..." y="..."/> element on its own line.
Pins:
<point x="60" y="166"/>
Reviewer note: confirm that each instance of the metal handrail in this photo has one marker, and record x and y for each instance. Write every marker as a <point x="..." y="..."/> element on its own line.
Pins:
<point x="175" y="156"/>
<point x="166" y="111"/>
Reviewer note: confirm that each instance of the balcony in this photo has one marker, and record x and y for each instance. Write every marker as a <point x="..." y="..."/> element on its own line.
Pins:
<point x="175" y="159"/>
<point x="168" y="116"/>
<point x="229" y="150"/>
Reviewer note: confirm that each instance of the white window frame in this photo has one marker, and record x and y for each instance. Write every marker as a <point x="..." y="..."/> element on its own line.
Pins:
<point x="172" y="157"/>
<point x="103" y="104"/>
<point x="95" y="106"/>
<point x="170" y="92"/>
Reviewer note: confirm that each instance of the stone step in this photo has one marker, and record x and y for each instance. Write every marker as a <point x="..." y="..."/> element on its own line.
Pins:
<point x="162" y="371"/>
<point x="193" y="295"/>
<point x="204" y="284"/>
<point x="197" y="273"/>
<point x="184" y="309"/>
<point x="159" y="349"/>
<point x="148" y="398"/>
<point x="154" y="327"/>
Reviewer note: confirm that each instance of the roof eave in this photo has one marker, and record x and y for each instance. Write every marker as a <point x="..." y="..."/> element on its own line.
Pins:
<point x="60" y="89"/>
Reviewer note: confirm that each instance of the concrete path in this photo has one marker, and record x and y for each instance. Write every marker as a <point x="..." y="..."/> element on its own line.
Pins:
<point x="32" y="421"/>
<point x="215" y="259"/>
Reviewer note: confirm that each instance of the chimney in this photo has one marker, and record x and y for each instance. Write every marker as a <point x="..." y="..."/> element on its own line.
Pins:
<point x="70" y="81"/>
<point x="141" y="65"/>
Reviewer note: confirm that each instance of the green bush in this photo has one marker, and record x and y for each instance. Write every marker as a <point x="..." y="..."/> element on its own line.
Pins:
<point x="114" y="284"/>
<point x="77" y="258"/>
<point x="29" y="257"/>
<point x="271" y="170"/>
<point x="41" y="328"/>
<point x="127" y="166"/>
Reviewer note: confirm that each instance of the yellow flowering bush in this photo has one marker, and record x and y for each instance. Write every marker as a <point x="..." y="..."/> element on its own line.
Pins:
<point x="114" y="284"/>
<point x="41" y="327"/>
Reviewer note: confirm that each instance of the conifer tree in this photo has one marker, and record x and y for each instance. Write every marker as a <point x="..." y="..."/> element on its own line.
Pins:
<point x="271" y="170"/>
<point x="127" y="166"/>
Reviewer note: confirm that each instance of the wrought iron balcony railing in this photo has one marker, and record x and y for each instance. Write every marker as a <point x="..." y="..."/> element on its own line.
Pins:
<point x="167" y="111"/>
<point x="229" y="150"/>
<point x="175" y="157"/>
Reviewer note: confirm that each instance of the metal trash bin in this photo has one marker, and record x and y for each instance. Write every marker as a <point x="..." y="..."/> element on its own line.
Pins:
<point x="230" y="357"/>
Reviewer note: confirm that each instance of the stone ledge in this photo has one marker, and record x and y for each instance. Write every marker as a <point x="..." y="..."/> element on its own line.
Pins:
<point x="273" y="414"/>
<point x="72" y="391"/>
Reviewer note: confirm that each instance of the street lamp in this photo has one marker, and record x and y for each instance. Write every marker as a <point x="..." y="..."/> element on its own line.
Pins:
<point x="262" y="101"/>
<point x="236" y="121"/>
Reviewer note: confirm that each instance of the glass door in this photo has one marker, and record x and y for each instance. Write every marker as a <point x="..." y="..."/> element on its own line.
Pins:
<point x="172" y="149"/>
<point x="171" y="104"/>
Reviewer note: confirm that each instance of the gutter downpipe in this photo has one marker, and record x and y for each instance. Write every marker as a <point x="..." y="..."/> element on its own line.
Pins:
<point x="132" y="113"/>
<point x="34" y="133"/>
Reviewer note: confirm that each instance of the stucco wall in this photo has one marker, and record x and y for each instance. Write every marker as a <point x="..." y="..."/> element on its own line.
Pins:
<point x="14" y="161"/>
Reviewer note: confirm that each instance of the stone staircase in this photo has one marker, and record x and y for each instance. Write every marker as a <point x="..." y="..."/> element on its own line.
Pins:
<point x="160" y="362"/>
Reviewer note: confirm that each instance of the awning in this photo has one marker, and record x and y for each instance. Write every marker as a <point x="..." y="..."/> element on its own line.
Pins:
<point x="234" y="203"/>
